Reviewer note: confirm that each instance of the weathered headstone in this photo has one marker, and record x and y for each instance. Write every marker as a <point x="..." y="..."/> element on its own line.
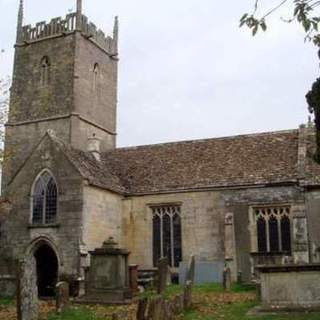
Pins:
<point x="133" y="276"/>
<point x="62" y="296"/>
<point x="187" y="295"/>
<point x="156" y="310"/>
<point x="227" y="279"/>
<point x="142" y="307"/>
<point x="27" y="291"/>
<point x="168" y="310"/>
<point x="191" y="270"/>
<point x="163" y="270"/>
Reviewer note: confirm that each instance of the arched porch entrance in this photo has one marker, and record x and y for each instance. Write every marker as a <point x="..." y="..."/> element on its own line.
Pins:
<point x="47" y="270"/>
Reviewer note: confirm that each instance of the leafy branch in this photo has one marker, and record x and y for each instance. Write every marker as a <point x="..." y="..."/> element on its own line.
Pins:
<point x="303" y="13"/>
<point x="4" y="106"/>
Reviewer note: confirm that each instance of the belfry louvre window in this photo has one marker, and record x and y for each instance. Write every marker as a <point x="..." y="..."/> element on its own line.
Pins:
<point x="273" y="229"/>
<point x="44" y="199"/>
<point x="167" y="234"/>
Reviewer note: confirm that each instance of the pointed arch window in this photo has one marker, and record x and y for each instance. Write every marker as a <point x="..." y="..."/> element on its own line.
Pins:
<point x="273" y="229"/>
<point x="167" y="240"/>
<point x="96" y="77"/>
<point x="44" y="199"/>
<point x="44" y="71"/>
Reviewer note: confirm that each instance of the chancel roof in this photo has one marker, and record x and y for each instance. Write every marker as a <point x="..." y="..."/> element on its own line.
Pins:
<point x="267" y="158"/>
<point x="230" y="162"/>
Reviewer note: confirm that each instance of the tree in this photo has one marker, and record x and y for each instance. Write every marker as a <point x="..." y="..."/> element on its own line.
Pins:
<point x="304" y="12"/>
<point x="4" y="106"/>
<point x="313" y="99"/>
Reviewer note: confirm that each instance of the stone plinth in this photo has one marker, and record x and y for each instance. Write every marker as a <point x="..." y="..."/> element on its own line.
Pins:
<point x="290" y="287"/>
<point x="107" y="280"/>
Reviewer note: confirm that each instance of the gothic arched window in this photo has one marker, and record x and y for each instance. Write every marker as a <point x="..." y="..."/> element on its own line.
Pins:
<point x="167" y="234"/>
<point x="273" y="229"/>
<point x="44" y="199"/>
<point x="44" y="71"/>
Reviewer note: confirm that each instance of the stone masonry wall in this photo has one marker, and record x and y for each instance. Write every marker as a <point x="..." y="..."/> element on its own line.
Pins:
<point x="202" y="219"/>
<point x="95" y="91"/>
<point x="203" y="222"/>
<point x="313" y="205"/>
<point x="101" y="217"/>
<point x="65" y="235"/>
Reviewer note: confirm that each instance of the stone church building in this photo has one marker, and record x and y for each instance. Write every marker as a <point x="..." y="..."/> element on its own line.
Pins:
<point x="66" y="187"/>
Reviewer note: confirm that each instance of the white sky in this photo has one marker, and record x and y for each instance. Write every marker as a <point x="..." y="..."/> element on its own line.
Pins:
<point x="187" y="71"/>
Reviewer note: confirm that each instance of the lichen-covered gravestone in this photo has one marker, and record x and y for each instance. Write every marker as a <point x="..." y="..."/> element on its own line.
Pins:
<point x="187" y="292"/>
<point x="27" y="291"/>
<point x="163" y="270"/>
<point x="62" y="296"/>
<point x="227" y="279"/>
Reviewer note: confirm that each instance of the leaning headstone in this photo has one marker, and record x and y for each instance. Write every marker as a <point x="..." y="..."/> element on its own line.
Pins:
<point x="27" y="291"/>
<point x="227" y="279"/>
<point x="142" y="307"/>
<point x="156" y="310"/>
<point x="187" y="295"/>
<point x="163" y="271"/>
<point x="168" y="310"/>
<point x="62" y="296"/>
<point x="191" y="270"/>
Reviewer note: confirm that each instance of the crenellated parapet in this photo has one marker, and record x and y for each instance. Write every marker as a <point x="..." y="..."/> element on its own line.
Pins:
<point x="64" y="26"/>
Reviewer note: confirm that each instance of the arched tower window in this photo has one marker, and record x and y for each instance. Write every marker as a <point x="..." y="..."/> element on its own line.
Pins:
<point x="44" y="71"/>
<point x="96" y="77"/>
<point x="44" y="199"/>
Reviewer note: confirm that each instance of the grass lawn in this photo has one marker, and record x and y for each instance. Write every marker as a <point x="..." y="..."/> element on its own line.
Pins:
<point x="212" y="303"/>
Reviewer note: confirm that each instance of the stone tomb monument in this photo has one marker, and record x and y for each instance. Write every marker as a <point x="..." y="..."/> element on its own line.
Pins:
<point x="107" y="280"/>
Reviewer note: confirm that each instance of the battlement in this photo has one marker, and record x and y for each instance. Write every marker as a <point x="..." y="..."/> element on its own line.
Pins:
<point x="64" y="26"/>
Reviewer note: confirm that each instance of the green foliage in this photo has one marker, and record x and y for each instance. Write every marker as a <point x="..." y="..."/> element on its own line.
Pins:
<point x="4" y="301"/>
<point x="304" y="13"/>
<point x="313" y="100"/>
<point x="218" y="288"/>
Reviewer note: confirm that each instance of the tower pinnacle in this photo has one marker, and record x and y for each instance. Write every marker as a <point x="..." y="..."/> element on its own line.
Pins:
<point x="79" y="14"/>
<point x="20" y="21"/>
<point x="116" y="33"/>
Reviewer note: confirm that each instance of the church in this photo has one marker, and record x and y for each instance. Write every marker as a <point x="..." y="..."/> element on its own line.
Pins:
<point x="66" y="187"/>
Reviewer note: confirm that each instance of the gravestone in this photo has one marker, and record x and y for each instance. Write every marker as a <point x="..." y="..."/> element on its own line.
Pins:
<point x="142" y="308"/>
<point x="191" y="270"/>
<point x="156" y="309"/>
<point x="187" y="292"/>
<point x="27" y="291"/>
<point x="163" y="270"/>
<point x="227" y="279"/>
<point x="133" y="276"/>
<point x="62" y="296"/>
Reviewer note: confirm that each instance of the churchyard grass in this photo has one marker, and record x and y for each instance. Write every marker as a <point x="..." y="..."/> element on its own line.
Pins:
<point x="212" y="303"/>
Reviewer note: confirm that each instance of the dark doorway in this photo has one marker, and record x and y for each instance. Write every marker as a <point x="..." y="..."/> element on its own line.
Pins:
<point x="47" y="271"/>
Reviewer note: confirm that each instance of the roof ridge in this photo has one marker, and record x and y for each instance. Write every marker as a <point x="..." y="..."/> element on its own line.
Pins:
<point x="266" y="133"/>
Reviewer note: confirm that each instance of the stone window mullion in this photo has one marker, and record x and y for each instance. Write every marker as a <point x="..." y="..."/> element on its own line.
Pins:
<point x="172" y="239"/>
<point x="161" y="234"/>
<point x="267" y="233"/>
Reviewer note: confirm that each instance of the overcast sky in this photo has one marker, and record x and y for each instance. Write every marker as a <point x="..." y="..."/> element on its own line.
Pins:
<point x="187" y="71"/>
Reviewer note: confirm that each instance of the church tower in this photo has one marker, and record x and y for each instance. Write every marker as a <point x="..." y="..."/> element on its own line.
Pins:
<point x="65" y="80"/>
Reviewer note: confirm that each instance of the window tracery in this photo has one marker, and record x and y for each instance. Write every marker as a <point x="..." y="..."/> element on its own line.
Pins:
<point x="44" y="199"/>
<point x="273" y="229"/>
<point x="167" y="234"/>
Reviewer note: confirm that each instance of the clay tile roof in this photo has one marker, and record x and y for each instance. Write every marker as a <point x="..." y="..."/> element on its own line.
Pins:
<point x="95" y="172"/>
<point x="267" y="158"/>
